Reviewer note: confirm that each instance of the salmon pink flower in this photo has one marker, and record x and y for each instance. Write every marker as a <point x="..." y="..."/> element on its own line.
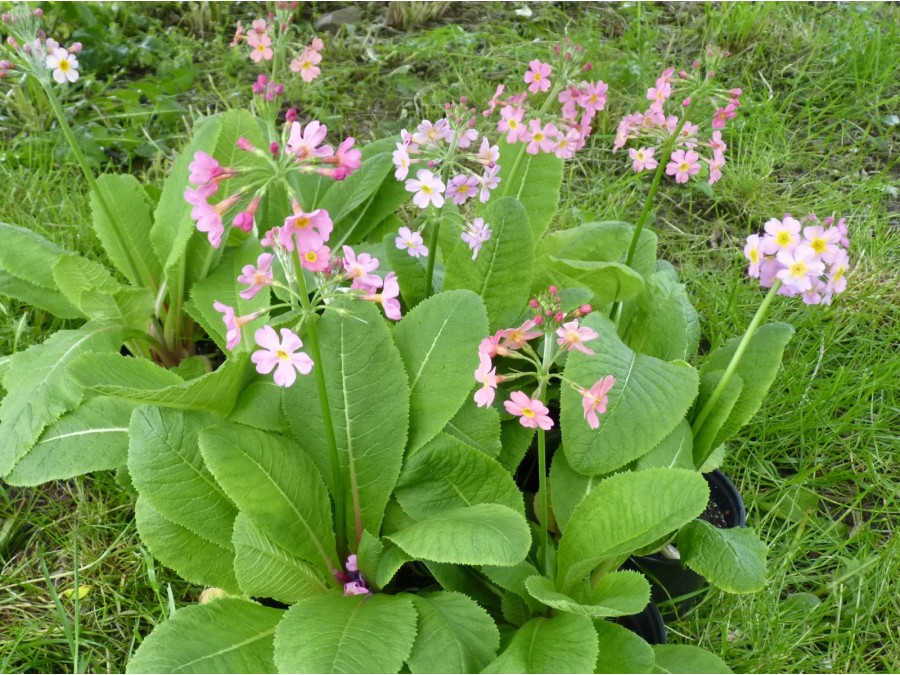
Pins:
<point x="530" y="411"/>
<point x="595" y="400"/>
<point x="360" y="269"/>
<point x="258" y="277"/>
<point x="511" y="123"/>
<point x="428" y="188"/>
<point x="307" y="64"/>
<point x="282" y="356"/>
<point x="486" y="375"/>
<point x="538" y="78"/>
<point x="683" y="165"/>
<point x="571" y="336"/>
<point x="261" y="46"/>
<point x="64" y="65"/>
<point x="314" y="255"/>
<point x="411" y="241"/>
<point x="643" y="159"/>
<point x="515" y="338"/>
<point x="388" y="297"/>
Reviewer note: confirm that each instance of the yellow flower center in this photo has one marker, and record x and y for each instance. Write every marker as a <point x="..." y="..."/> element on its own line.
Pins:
<point x="301" y="223"/>
<point x="484" y="380"/>
<point x="754" y="255"/>
<point x="818" y="245"/>
<point x="640" y="155"/>
<point x="260" y="278"/>
<point x="311" y="256"/>
<point x="306" y="65"/>
<point x="798" y="269"/>
<point x="538" y="137"/>
<point x="64" y="65"/>
<point x="260" y="47"/>
<point x="684" y="166"/>
<point x="783" y="238"/>
<point x="426" y="189"/>
<point x="463" y="189"/>
<point x="838" y="273"/>
<point x="282" y="355"/>
<point x="537" y="77"/>
<point x="513" y="124"/>
<point x="528" y="412"/>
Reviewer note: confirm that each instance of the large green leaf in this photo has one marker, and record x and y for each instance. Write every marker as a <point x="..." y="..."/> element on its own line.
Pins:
<point x="276" y="485"/>
<point x="608" y="281"/>
<point x="92" y="437"/>
<point x="704" y="440"/>
<point x="687" y="659"/>
<point x="259" y="405"/>
<point x="514" y="443"/>
<point x="621" y="651"/>
<point x="124" y="230"/>
<point x="675" y="451"/>
<point x="49" y="300"/>
<point x="534" y="180"/>
<point x="482" y="534"/>
<point x="502" y="273"/>
<point x="665" y="323"/>
<point x="193" y="556"/>
<point x="733" y="559"/>
<point x="477" y="427"/>
<point x="566" y="643"/>
<point x="622" y="514"/>
<point x="410" y="271"/>
<point x="368" y="396"/>
<point x="448" y="474"/>
<point x="650" y="397"/>
<point x="455" y="635"/>
<point x="40" y="389"/>
<point x="265" y="569"/>
<point x="142" y="381"/>
<point x="168" y="471"/>
<point x="567" y="488"/>
<point x="333" y="633"/>
<point x="438" y="342"/>
<point x="615" y="594"/>
<point x="227" y="635"/>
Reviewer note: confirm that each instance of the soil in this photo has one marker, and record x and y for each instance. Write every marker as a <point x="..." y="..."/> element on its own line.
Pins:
<point x="716" y="515"/>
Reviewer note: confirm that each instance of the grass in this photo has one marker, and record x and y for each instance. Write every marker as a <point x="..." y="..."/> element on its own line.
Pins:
<point x="817" y="465"/>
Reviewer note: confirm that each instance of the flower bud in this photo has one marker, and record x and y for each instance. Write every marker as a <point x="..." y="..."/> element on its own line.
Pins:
<point x="553" y="290"/>
<point x="274" y="148"/>
<point x="245" y="145"/>
<point x="38" y="13"/>
<point x="279" y="90"/>
<point x="559" y="317"/>
<point x="587" y="67"/>
<point x="585" y="309"/>
<point x="6" y="18"/>
<point x="75" y="48"/>
<point x="533" y="303"/>
<point x="290" y="116"/>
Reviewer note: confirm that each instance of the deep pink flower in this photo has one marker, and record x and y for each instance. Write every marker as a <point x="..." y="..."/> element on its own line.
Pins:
<point x="538" y="78"/>
<point x="205" y="169"/>
<point x="486" y="375"/>
<point x="722" y="115"/>
<point x="347" y="158"/>
<point x="594" y="400"/>
<point x="571" y="336"/>
<point x="530" y="411"/>
<point x="281" y="355"/>
<point x="683" y="165"/>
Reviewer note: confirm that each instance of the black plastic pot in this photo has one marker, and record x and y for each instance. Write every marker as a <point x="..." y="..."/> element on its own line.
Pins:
<point x="677" y="589"/>
<point x="647" y="624"/>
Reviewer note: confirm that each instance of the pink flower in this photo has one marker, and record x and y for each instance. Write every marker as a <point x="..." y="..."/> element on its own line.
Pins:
<point x="432" y="134"/>
<point x="490" y="346"/>
<point x="305" y="143"/>
<point x="716" y="144"/>
<point x="305" y="226"/>
<point x="466" y="138"/>
<point x="722" y="115"/>
<point x="205" y="169"/>
<point x="388" y="297"/>
<point x="486" y="375"/>
<point x="245" y="219"/>
<point x="823" y="242"/>
<point x="209" y="217"/>
<point x="261" y="45"/>
<point x="538" y="78"/>
<point x="660" y="92"/>
<point x="316" y="45"/>
<point x="531" y="412"/>
<point x="780" y="236"/>
<point x="837" y="279"/>
<point x="347" y="158"/>
<point x="643" y="159"/>
<point x="462" y="188"/>
<point x="488" y="155"/>
<point x="411" y="241"/>
<point x="355" y="588"/>
<point x="281" y="355"/>
<point x="360" y="268"/>
<point x="567" y="143"/>
<point x="716" y="164"/>
<point x="307" y="64"/>
<point x="593" y="96"/>
<point x="515" y="338"/>
<point x="571" y="336"/>
<point x="314" y="255"/>
<point x="489" y="181"/>
<point x="476" y="233"/>
<point x="683" y="165"/>
<point x="800" y="267"/>
<point x="594" y="400"/>
<point x="401" y="161"/>
<point x="257" y="277"/>
<point x="511" y="122"/>
<point x="540" y="138"/>
<point x="63" y="64"/>
<point x="753" y="254"/>
<point x="429" y="189"/>
<point x="233" y="324"/>
<point x="494" y="102"/>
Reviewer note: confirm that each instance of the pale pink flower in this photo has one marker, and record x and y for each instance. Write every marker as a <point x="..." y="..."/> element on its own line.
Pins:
<point x="462" y="188"/>
<point x="63" y="64"/>
<point x="476" y="233"/>
<point x="258" y="277"/>
<point x="238" y="35"/>
<point x="259" y="26"/>
<point x="540" y="138"/>
<point x="530" y="411"/>
<point x="205" y="169"/>
<point x="490" y="179"/>
<point x="567" y="144"/>
<point x="491" y="346"/>
<point x="781" y="235"/>
<point x="233" y="324"/>
<point x="659" y="93"/>
<point x="837" y="275"/>
<point x="261" y="46"/>
<point x="486" y="375"/>
<point x="538" y="78"/>
<point x="314" y="255"/>
<point x="716" y="164"/>
<point x="360" y="269"/>
<point x="355" y="588"/>
<point x="593" y="96"/>
<point x="515" y="338"/>
<point x="428" y="189"/>
<point x="595" y="400"/>
<point x="683" y="165"/>
<point x="569" y="99"/>
<point x="722" y="115"/>
<point x="571" y="336"/>
<point x="411" y="241"/>
<point x="753" y="254"/>
<point x="316" y="45"/>
<point x="823" y="242"/>
<point x="352" y="563"/>
<point x="304" y="143"/>
<point x="511" y="123"/>
<point x="488" y="155"/>
<point x="388" y="297"/>
<point x="494" y="102"/>
<point x="281" y="355"/>
<point x="432" y="134"/>
<point x="800" y="267"/>
<point x="643" y="159"/>
<point x="716" y="144"/>
<point x="307" y="64"/>
<point x="401" y="161"/>
<point x="466" y="138"/>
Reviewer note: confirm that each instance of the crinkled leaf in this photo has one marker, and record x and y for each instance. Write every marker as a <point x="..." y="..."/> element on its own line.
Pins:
<point x="259" y="405"/>
<point x="621" y="651"/>
<point x="477" y="427"/>
<point x="567" y="488"/>
<point x="675" y="451"/>
<point x="665" y="323"/>
<point x="687" y="659"/>
<point x="616" y="594"/>
<point x="566" y="643"/>
<point x="733" y="559"/>
<point x="514" y="443"/>
<point x="536" y="183"/>
<point x="608" y="281"/>
<point x="49" y="300"/>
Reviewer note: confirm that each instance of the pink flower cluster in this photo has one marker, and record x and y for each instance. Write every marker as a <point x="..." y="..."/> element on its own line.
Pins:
<point x="266" y="88"/>
<point x="304" y="146"/>
<point x="206" y="174"/>
<point x="354" y="584"/>
<point x="38" y="52"/>
<point x="811" y="261"/>
<point x="307" y="62"/>
<point x="564" y="133"/>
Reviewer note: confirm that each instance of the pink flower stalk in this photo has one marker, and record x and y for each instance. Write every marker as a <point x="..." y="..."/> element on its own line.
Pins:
<point x="307" y="64"/>
<point x="258" y="277"/>
<point x="304" y="143"/>
<point x="63" y="64"/>
<point x="411" y="241"/>
<point x="538" y="78"/>
<point x="476" y="233"/>
<point x="800" y="268"/>
<point x="314" y="255"/>
<point x="683" y="165"/>
<point x="643" y="159"/>
<point x="511" y="123"/>
<point x="233" y="324"/>
<point x="261" y="46"/>
<point x="530" y="411"/>
<point x="540" y="138"/>
<point x="571" y="336"/>
<point x="388" y="297"/>
<point x="428" y="189"/>
<point x="360" y="269"/>
<point x="462" y="188"/>
<point x="515" y="338"/>
<point x="486" y="375"/>
<point x="282" y="356"/>
<point x="595" y="400"/>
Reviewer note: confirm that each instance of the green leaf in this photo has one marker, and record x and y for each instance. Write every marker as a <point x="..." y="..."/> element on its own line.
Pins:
<point x="354" y="634"/>
<point x="259" y="405"/>
<point x="621" y="651"/>
<point x="687" y="659"/>
<point x="49" y="300"/>
<point x="650" y="397"/>
<point x="455" y="635"/>
<point x="92" y="437"/>
<point x="604" y="241"/>
<point x="369" y="396"/>
<point x="705" y="438"/>
<point x="447" y="474"/>
<point x="733" y="559"/>
<point x="566" y="643"/>
<point x="616" y="594"/>
<point x="513" y="579"/>
<point x="757" y="368"/>
<point x="483" y="534"/>
<point x="465" y="580"/>
<point x="194" y="557"/>
<point x="567" y="488"/>
<point x="142" y="381"/>
<point x="479" y="428"/>
<point x="665" y="323"/>
<point x="675" y="451"/>
<point x="227" y="635"/>
<point x="368" y="555"/>
<point x="514" y="443"/>
<point x="266" y="570"/>
<point x="168" y="471"/>
<point x="502" y="273"/>
<point x="608" y="281"/>
<point x="276" y="485"/>
<point x="126" y="238"/>
<point x="536" y="183"/>
<point x="438" y="342"/>
<point x="410" y="271"/>
<point x="221" y="286"/>
<point x="622" y="514"/>
<point x="40" y="389"/>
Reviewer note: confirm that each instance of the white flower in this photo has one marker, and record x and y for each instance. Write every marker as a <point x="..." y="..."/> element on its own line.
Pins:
<point x="64" y="65"/>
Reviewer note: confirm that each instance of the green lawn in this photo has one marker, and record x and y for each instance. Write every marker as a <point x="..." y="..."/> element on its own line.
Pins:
<point x="818" y="130"/>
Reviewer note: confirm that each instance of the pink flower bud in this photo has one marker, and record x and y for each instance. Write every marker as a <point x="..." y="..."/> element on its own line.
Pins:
<point x="11" y="42"/>
<point x="683" y="74"/>
<point x="556" y="50"/>
<point x="245" y="145"/>
<point x="549" y="312"/>
<point x="274" y="148"/>
<point x="38" y="13"/>
<point x="279" y="90"/>
<point x="686" y="102"/>
<point x="243" y="221"/>
<point x="6" y="18"/>
<point x="559" y="317"/>
<point x="26" y="48"/>
<point x="75" y="48"/>
<point x="695" y="64"/>
<point x="5" y="65"/>
<point x="290" y="116"/>
<point x="736" y="92"/>
<point x="588" y="67"/>
<point x="538" y="319"/>
<point x="585" y="309"/>
<point x="553" y="290"/>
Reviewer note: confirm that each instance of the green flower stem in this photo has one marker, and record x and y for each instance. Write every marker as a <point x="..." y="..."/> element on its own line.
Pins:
<point x="515" y="167"/>
<point x="432" y="250"/>
<point x="735" y="361"/>
<point x="330" y="437"/>
<point x="542" y="460"/>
